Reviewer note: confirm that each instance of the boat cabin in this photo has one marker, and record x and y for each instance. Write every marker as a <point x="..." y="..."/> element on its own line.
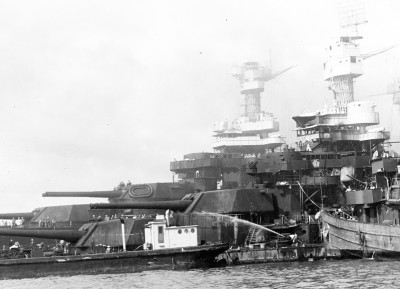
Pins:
<point x="159" y="236"/>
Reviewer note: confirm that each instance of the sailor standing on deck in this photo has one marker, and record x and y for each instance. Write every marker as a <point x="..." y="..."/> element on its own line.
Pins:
<point x="294" y="238"/>
<point x="59" y="248"/>
<point x="169" y="214"/>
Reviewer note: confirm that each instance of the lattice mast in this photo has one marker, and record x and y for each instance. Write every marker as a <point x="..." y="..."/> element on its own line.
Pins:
<point x="345" y="62"/>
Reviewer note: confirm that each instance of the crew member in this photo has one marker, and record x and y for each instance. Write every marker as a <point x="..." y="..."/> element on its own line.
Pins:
<point x="294" y="238"/>
<point x="15" y="246"/>
<point x="59" y="249"/>
<point x="169" y="214"/>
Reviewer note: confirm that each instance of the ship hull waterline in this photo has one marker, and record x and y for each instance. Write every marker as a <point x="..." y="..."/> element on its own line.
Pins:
<point x="360" y="239"/>
<point x="308" y="252"/>
<point x="119" y="262"/>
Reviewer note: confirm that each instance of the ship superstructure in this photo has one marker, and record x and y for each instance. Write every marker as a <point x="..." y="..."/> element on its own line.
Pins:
<point x="367" y="200"/>
<point x="344" y="124"/>
<point x="250" y="136"/>
<point x="345" y="63"/>
<point x="251" y="132"/>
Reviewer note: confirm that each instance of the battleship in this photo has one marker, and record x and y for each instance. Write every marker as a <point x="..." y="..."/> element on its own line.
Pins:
<point x="266" y="200"/>
<point x="215" y="188"/>
<point x="340" y="163"/>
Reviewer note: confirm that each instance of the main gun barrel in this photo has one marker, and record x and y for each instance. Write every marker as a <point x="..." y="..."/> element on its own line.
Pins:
<point x="161" y="205"/>
<point x="67" y="235"/>
<point x="26" y="216"/>
<point x="93" y="194"/>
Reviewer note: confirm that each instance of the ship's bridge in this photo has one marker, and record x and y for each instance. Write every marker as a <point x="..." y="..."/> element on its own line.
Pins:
<point x="314" y="133"/>
<point x="333" y="126"/>
<point x="265" y="122"/>
<point x="248" y="144"/>
<point x="322" y="133"/>
<point x="357" y="113"/>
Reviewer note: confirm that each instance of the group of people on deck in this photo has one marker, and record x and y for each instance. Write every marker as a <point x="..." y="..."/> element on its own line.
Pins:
<point x="19" y="222"/>
<point x="99" y="218"/>
<point x="62" y="248"/>
<point x="47" y="223"/>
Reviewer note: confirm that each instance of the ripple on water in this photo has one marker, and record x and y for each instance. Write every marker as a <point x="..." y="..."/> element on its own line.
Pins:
<point x="318" y="274"/>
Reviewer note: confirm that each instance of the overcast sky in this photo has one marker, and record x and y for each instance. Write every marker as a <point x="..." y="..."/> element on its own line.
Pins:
<point x="97" y="92"/>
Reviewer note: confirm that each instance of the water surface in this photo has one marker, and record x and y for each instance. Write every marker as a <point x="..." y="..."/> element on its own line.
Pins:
<point x="317" y="274"/>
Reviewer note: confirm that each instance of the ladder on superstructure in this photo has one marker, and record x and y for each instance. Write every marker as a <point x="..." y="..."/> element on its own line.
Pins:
<point x="251" y="237"/>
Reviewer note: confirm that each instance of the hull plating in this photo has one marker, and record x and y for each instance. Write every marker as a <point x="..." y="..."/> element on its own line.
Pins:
<point x="361" y="237"/>
<point x="122" y="262"/>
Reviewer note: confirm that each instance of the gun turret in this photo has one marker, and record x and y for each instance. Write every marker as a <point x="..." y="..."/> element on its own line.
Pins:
<point x="93" y="194"/>
<point x="161" y="205"/>
<point x="67" y="235"/>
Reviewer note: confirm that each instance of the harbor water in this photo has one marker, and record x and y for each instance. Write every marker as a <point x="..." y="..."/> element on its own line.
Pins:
<point x="317" y="274"/>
